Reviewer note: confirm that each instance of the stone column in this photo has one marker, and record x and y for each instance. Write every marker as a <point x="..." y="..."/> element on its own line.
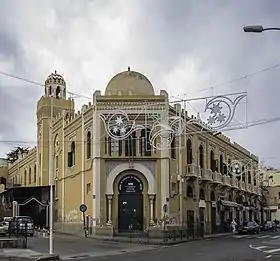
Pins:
<point x="151" y="198"/>
<point x="109" y="200"/>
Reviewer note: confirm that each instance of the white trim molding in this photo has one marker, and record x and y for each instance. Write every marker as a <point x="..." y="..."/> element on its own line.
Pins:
<point x="125" y="166"/>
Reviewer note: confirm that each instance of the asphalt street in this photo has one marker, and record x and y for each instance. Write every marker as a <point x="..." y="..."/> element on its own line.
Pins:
<point x="260" y="247"/>
<point x="228" y="248"/>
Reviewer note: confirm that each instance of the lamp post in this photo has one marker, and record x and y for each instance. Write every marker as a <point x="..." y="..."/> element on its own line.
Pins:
<point x="258" y="29"/>
<point x="51" y="181"/>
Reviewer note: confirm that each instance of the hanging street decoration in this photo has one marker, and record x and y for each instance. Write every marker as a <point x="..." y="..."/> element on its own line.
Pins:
<point x="162" y="129"/>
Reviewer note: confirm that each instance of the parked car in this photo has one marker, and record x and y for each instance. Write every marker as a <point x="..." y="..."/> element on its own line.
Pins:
<point x="277" y="223"/>
<point x="22" y="225"/>
<point x="250" y="227"/>
<point x="4" y="225"/>
<point x="270" y="226"/>
<point x="6" y="222"/>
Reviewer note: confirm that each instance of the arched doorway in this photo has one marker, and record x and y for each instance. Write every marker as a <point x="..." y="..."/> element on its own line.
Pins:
<point x="130" y="204"/>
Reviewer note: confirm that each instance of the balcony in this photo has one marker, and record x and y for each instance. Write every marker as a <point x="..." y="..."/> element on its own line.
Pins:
<point x="226" y="180"/>
<point x="191" y="171"/>
<point x="206" y="174"/>
<point x="217" y="177"/>
<point x="234" y="182"/>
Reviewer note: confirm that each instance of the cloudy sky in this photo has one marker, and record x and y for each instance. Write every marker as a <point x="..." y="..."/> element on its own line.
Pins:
<point x="182" y="46"/>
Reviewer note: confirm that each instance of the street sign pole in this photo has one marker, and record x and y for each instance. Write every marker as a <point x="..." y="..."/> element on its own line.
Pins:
<point x="83" y="209"/>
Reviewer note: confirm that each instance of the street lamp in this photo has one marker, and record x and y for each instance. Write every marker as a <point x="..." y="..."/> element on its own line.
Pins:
<point x="258" y="29"/>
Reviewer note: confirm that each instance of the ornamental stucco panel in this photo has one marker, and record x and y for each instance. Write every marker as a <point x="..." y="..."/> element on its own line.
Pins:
<point x="111" y="164"/>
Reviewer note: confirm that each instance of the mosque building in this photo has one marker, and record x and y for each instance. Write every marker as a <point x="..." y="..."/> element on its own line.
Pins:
<point x="119" y="156"/>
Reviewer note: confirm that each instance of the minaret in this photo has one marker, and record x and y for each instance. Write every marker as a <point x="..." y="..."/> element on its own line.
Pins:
<point x="55" y="86"/>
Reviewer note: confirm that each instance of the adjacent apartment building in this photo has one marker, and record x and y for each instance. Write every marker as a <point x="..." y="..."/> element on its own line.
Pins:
<point x="271" y="184"/>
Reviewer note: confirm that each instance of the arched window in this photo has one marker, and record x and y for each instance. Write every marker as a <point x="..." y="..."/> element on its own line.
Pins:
<point x="201" y="156"/>
<point x="249" y="177"/>
<point x="201" y="194"/>
<point x="88" y="145"/>
<point x="29" y="176"/>
<point x="24" y="178"/>
<point x="173" y="148"/>
<point x="130" y="144"/>
<point x="50" y="90"/>
<point x="189" y="151"/>
<point x="109" y="144"/>
<point x="221" y="165"/>
<point x="58" y="92"/>
<point x="113" y="144"/>
<point x="35" y="173"/>
<point x="212" y="196"/>
<point x="189" y="192"/>
<point x="145" y="143"/>
<point x="73" y="148"/>
<point x="212" y="161"/>
<point x="71" y="155"/>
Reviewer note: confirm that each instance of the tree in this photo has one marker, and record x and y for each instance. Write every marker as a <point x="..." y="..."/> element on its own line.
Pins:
<point x="13" y="155"/>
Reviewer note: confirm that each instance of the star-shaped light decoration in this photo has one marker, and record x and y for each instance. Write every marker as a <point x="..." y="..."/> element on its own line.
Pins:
<point x="216" y="109"/>
<point x="115" y="129"/>
<point x="211" y="120"/>
<point x="122" y="130"/>
<point x="221" y="118"/>
<point x="119" y="121"/>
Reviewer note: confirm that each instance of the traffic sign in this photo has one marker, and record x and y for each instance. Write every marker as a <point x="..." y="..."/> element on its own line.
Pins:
<point x="83" y="208"/>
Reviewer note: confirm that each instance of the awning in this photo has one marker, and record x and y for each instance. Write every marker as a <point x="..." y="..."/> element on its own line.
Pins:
<point x="231" y="204"/>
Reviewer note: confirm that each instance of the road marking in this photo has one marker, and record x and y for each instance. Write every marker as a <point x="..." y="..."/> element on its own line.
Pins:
<point x="275" y="237"/>
<point x="265" y="236"/>
<point x="241" y="236"/>
<point x="269" y="256"/>
<point x="260" y="247"/>
<point x="272" y="251"/>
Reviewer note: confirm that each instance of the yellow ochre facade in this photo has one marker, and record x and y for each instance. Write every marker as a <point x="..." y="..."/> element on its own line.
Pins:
<point x="130" y="183"/>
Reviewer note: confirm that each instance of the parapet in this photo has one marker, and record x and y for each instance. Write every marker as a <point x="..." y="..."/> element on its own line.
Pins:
<point x="24" y="156"/>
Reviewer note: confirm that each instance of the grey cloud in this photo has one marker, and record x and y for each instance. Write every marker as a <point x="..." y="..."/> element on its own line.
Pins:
<point x="161" y="33"/>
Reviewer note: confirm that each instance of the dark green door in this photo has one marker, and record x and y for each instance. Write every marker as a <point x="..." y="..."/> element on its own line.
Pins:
<point x="130" y="204"/>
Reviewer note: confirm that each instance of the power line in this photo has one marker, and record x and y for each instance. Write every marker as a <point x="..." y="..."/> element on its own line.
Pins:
<point x="230" y="128"/>
<point x="39" y="84"/>
<point x="234" y="80"/>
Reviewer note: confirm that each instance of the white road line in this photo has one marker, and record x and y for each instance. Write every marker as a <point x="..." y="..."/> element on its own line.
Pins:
<point x="260" y="247"/>
<point x="264" y="236"/>
<point x="272" y="251"/>
<point x="241" y="236"/>
<point x="275" y="237"/>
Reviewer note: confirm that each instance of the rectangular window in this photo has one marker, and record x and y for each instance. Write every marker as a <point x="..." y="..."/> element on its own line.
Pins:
<point x="88" y="188"/>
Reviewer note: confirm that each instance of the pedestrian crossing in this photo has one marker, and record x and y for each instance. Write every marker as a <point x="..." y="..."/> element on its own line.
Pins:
<point x="269" y="236"/>
<point x="269" y="250"/>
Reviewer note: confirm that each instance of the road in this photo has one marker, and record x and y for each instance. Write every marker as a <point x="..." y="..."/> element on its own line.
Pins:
<point x="264" y="246"/>
<point x="229" y="248"/>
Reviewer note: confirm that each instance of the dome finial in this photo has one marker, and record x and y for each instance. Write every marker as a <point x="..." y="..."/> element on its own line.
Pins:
<point x="55" y="71"/>
<point x="128" y="68"/>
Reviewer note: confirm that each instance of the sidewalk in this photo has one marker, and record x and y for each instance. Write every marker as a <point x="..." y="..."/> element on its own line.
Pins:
<point x="69" y="247"/>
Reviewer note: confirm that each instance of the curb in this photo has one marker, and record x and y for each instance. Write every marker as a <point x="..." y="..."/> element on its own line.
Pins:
<point x="143" y="242"/>
<point x="45" y="258"/>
